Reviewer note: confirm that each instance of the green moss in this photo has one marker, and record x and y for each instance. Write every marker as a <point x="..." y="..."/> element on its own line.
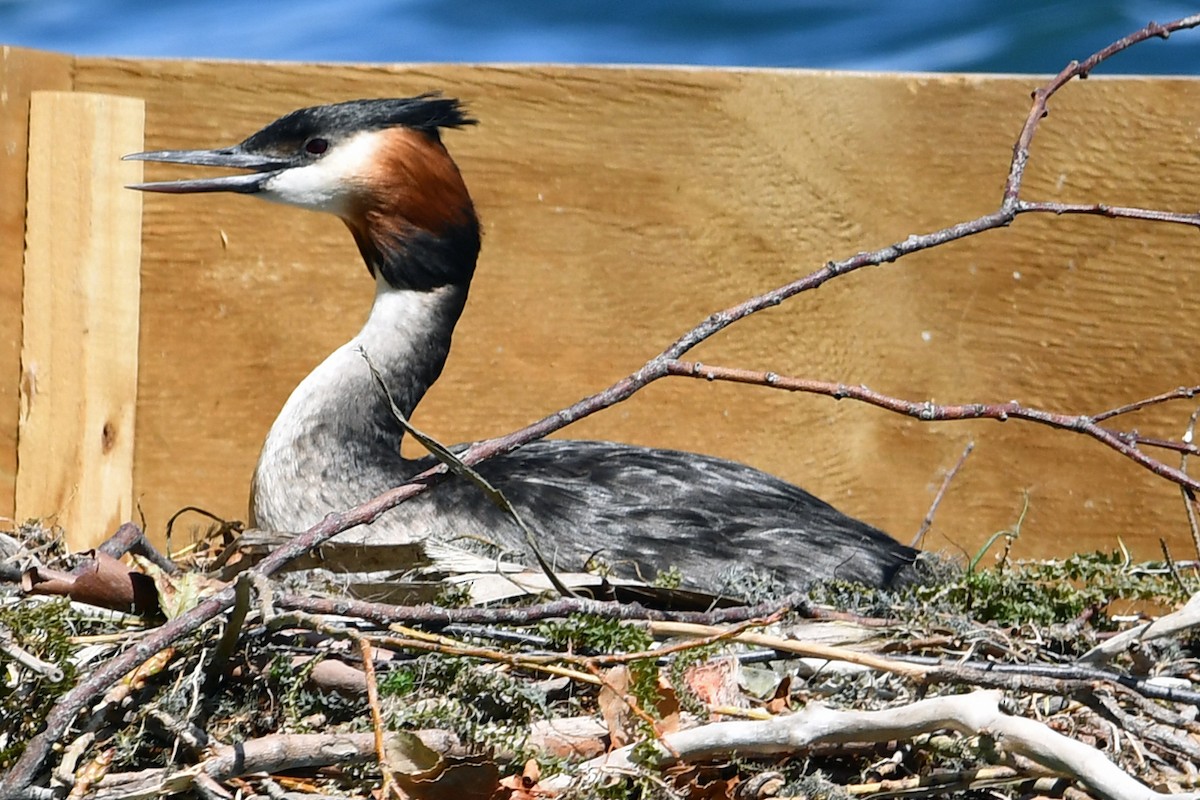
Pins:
<point x="588" y="634"/>
<point x="1052" y="592"/>
<point x="42" y="629"/>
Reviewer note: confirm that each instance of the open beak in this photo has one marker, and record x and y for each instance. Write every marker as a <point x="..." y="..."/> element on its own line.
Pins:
<point x="263" y="168"/>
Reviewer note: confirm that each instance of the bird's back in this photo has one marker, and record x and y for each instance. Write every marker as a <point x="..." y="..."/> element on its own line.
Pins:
<point x="639" y="511"/>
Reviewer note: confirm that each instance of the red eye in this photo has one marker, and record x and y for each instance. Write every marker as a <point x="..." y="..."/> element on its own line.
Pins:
<point x="316" y="146"/>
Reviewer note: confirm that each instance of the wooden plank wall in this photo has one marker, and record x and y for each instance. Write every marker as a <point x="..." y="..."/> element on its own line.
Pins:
<point x="21" y="72"/>
<point x="82" y="298"/>
<point x="621" y="206"/>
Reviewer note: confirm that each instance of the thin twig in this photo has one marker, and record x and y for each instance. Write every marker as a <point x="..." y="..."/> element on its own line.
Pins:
<point x="1190" y="506"/>
<point x="389" y="788"/>
<point x="1181" y="393"/>
<point x="940" y="784"/>
<point x="11" y="650"/>
<point x="809" y="649"/>
<point x="926" y="523"/>
<point x="436" y="616"/>
<point x="937" y="412"/>
<point x="1112" y="212"/>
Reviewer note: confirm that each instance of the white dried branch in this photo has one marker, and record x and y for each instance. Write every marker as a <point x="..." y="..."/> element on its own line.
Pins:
<point x="1176" y="622"/>
<point x="970" y="714"/>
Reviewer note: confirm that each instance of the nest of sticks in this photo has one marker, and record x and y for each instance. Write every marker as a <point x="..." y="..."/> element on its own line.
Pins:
<point x="1010" y="680"/>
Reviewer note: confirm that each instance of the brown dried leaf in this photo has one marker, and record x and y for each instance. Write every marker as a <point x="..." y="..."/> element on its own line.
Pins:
<point x="425" y="774"/>
<point x="701" y="782"/>
<point x="667" y="706"/>
<point x="615" y="708"/>
<point x="781" y="701"/>
<point x="178" y="594"/>
<point x="524" y="786"/>
<point x="532" y="773"/>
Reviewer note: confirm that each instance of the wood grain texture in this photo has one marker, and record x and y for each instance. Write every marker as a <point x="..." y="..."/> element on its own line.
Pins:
<point x="21" y="72"/>
<point x="621" y="206"/>
<point x="79" y="354"/>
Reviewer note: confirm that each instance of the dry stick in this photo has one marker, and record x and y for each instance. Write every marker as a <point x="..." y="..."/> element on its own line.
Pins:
<point x="709" y="636"/>
<point x="273" y="753"/>
<point x="968" y="714"/>
<point x="1112" y="212"/>
<point x="802" y="648"/>
<point x="927" y="523"/>
<point x="533" y="663"/>
<point x="11" y="650"/>
<point x="437" y="616"/>
<point x="25" y="770"/>
<point x="937" y="412"/>
<point x="1060" y="679"/>
<point x="700" y="636"/>
<point x="389" y="787"/>
<point x="1178" y="621"/>
<point x="1190" y="506"/>
<point x="1106" y="706"/>
<point x="1187" y="448"/>
<point x="940" y="784"/>
<point x="129" y="538"/>
<point x="1182" y="393"/>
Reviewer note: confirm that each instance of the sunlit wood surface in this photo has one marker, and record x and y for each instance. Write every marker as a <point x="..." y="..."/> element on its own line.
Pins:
<point x="621" y="206"/>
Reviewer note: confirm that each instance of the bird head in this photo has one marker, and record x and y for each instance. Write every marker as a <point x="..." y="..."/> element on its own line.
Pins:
<point x="380" y="165"/>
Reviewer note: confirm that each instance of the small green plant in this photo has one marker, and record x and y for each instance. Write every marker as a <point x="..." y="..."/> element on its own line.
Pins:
<point x="397" y="683"/>
<point x="668" y="578"/>
<point x="589" y="634"/>
<point x="482" y="704"/>
<point x="454" y="595"/>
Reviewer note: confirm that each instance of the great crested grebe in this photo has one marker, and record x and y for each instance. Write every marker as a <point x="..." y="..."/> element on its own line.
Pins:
<point x="380" y="166"/>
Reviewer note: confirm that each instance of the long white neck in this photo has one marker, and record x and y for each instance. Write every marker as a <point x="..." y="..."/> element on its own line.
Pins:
<point x="337" y="429"/>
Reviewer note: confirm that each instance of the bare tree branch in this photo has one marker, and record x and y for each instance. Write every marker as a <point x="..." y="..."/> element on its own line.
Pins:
<point x="1123" y="443"/>
<point x="969" y="714"/>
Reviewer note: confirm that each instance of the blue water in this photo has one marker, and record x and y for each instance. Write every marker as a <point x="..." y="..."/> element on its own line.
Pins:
<point x="947" y="35"/>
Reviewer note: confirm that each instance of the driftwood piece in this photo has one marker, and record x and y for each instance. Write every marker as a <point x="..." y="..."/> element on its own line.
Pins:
<point x="267" y="754"/>
<point x="1176" y="622"/>
<point x="970" y="714"/>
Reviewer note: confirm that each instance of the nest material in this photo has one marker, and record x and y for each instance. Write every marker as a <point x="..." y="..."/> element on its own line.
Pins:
<point x="1009" y="681"/>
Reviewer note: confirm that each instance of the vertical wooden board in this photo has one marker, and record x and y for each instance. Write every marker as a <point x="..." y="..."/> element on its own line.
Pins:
<point x="79" y="360"/>
<point x="21" y="72"/>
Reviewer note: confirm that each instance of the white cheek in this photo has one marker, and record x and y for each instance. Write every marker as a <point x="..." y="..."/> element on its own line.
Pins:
<point x="309" y="187"/>
<point x="328" y="183"/>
